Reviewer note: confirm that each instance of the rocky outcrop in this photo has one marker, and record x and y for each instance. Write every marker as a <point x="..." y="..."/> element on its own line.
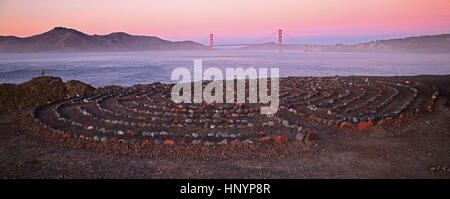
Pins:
<point x="74" y="87"/>
<point x="38" y="91"/>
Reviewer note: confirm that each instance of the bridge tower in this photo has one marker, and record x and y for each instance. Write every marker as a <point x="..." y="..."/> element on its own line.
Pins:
<point x="211" y="41"/>
<point x="280" y="40"/>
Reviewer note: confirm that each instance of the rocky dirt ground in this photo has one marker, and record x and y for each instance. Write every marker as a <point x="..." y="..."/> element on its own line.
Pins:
<point x="414" y="148"/>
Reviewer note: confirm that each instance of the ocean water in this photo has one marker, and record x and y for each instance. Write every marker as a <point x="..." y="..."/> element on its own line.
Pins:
<point x="126" y="69"/>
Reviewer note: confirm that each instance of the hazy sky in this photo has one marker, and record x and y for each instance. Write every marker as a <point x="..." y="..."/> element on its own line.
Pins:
<point x="310" y="21"/>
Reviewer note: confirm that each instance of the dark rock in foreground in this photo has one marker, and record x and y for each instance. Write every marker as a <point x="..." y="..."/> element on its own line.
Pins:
<point x="39" y="90"/>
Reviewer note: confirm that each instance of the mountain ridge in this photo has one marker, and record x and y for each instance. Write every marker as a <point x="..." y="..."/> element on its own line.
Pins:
<point x="415" y="44"/>
<point x="61" y="39"/>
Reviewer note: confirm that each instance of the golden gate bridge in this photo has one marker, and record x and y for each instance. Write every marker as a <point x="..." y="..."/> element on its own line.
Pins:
<point x="279" y="43"/>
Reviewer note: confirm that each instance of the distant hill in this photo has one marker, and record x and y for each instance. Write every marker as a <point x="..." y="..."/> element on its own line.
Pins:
<point x="262" y="46"/>
<point x="62" y="39"/>
<point x="268" y="46"/>
<point x="419" y="44"/>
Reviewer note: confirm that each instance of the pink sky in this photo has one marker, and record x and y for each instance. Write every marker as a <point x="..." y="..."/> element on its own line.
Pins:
<point x="315" y="20"/>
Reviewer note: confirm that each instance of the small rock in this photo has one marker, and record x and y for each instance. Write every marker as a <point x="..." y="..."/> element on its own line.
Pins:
<point x="123" y="141"/>
<point x="364" y="125"/>
<point x="145" y="133"/>
<point x="130" y="132"/>
<point x="223" y="142"/>
<point x="247" y="141"/>
<point x="235" y="142"/>
<point x="104" y="139"/>
<point x="280" y="139"/>
<point x="168" y="142"/>
<point x="346" y="125"/>
<point x="120" y="132"/>
<point x="158" y="141"/>
<point x="265" y="139"/>
<point x="315" y="118"/>
<point x="154" y="134"/>
<point x="389" y="119"/>
<point x="285" y="123"/>
<point x="196" y="142"/>
<point x="299" y="136"/>
<point x="330" y="123"/>
<point x="163" y="133"/>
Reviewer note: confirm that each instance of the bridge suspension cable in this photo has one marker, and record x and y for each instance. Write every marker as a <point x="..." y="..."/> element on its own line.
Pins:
<point x="222" y="40"/>
<point x="272" y="35"/>
<point x="292" y="37"/>
<point x="205" y="40"/>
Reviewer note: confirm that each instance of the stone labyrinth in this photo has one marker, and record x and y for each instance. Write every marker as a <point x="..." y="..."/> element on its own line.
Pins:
<point x="144" y="114"/>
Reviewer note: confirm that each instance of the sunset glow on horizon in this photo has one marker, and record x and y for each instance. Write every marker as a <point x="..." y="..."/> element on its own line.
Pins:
<point x="325" y="21"/>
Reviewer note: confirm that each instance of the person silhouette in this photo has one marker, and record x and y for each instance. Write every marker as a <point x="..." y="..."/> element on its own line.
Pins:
<point x="42" y="72"/>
